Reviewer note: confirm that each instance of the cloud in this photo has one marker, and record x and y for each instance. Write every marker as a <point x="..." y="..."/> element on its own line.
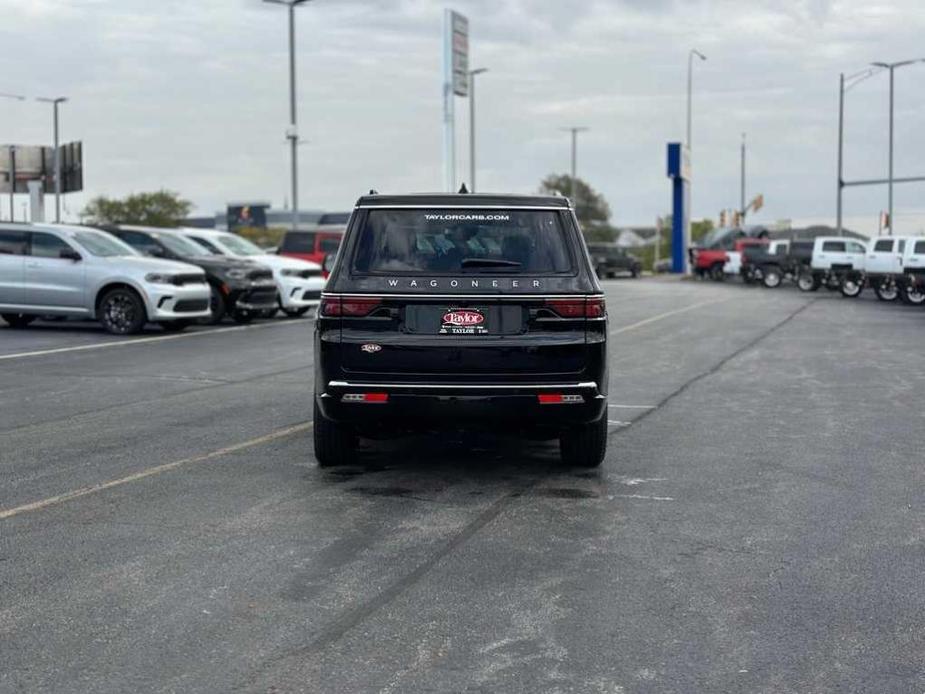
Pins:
<point x="192" y="96"/>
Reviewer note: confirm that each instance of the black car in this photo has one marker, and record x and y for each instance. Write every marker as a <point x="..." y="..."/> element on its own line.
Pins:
<point x="608" y="259"/>
<point x="240" y="288"/>
<point x="461" y="312"/>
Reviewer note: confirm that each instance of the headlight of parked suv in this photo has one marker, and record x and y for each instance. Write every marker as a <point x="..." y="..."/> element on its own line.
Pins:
<point x="159" y="278"/>
<point x="236" y="274"/>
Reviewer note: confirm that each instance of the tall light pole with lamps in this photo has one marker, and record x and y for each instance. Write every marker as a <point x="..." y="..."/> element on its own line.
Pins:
<point x="690" y="88"/>
<point x="55" y="102"/>
<point x="292" y="133"/>
<point x="472" y="74"/>
<point x="892" y="68"/>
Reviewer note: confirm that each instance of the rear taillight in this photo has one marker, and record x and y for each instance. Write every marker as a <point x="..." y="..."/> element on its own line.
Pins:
<point x="578" y="308"/>
<point x="350" y="306"/>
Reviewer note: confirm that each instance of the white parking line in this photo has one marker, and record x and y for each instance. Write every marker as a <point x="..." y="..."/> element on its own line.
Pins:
<point x="143" y="340"/>
<point x="151" y="471"/>
<point x="663" y="316"/>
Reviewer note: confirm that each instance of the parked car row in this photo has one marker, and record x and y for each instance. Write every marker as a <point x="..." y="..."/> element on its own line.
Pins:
<point x="128" y="276"/>
<point x="893" y="267"/>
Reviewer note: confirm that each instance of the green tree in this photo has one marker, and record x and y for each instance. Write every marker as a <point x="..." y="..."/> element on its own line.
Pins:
<point x="161" y="209"/>
<point x="590" y="206"/>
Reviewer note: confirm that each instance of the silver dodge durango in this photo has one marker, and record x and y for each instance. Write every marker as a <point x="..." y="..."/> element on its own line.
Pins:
<point x="73" y="271"/>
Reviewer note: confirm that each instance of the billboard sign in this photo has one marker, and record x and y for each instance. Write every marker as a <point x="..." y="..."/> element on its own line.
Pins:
<point x="35" y="163"/>
<point x="247" y="215"/>
<point x="459" y="29"/>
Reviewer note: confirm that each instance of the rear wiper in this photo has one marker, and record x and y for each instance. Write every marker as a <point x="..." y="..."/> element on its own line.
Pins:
<point x="489" y="262"/>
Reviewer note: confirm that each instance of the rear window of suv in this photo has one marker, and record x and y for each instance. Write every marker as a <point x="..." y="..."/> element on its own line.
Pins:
<point x="447" y="241"/>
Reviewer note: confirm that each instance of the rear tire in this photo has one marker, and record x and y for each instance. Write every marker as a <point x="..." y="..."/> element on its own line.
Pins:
<point x="886" y="291"/>
<point x="335" y="444"/>
<point x="122" y="312"/>
<point x="18" y="320"/>
<point x="585" y="446"/>
<point x="772" y="277"/>
<point x="716" y="273"/>
<point x="851" y="287"/>
<point x="914" y="296"/>
<point x="807" y="282"/>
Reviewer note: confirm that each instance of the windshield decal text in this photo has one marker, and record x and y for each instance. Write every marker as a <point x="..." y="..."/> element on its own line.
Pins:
<point x="467" y="217"/>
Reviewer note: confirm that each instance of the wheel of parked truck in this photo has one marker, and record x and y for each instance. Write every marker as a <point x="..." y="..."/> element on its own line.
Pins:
<point x="18" y="320"/>
<point x="807" y="282"/>
<point x="771" y="277"/>
<point x="216" y="306"/>
<point x="243" y="317"/>
<point x="914" y="296"/>
<point x="634" y="273"/>
<point x="886" y="290"/>
<point x="716" y="273"/>
<point x="175" y="326"/>
<point x="585" y="446"/>
<point x="121" y="312"/>
<point x="335" y="444"/>
<point x="851" y="287"/>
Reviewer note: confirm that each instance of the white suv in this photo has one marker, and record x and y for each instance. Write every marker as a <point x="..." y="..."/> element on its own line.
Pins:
<point x="298" y="282"/>
<point x="78" y="272"/>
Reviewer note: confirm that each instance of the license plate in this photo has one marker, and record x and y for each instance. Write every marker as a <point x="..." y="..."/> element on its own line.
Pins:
<point x="463" y="321"/>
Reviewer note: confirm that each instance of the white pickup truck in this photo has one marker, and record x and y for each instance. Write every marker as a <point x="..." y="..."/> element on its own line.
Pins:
<point x="912" y="287"/>
<point x="837" y="263"/>
<point x="884" y="266"/>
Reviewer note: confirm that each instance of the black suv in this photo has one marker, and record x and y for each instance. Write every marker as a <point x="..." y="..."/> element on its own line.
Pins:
<point x="239" y="288"/>
<point x="461" y="312"/>
<point x="608" y="259"/>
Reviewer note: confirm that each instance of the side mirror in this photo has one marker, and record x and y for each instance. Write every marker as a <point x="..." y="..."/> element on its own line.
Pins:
<point x="69" y="254"/>
<point x="328" y="263"/>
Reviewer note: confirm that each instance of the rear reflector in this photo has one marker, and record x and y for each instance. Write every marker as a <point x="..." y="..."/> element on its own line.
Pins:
<point x="350" y="306"/>
<point x="365" y="397"/>
<point x="578" y="308"/>
<point x="559" y="399"/>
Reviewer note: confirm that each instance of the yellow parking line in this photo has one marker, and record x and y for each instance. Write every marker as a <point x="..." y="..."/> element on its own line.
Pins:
<point x="662" y="316"/>
<point x="151" y="471"/>
<point x="143" y="340"/>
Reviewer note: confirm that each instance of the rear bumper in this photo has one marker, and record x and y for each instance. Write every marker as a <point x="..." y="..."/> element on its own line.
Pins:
<point x="490" y="406"/>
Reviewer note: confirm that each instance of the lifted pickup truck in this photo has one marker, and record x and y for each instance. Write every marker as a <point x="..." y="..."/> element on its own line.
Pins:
<point x="836" y="263"/>
<point x="734" y="257"/>
<point x="912" y="285"/>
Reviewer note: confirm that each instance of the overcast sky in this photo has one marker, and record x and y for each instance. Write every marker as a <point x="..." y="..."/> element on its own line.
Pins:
<point x="191" y="95"/>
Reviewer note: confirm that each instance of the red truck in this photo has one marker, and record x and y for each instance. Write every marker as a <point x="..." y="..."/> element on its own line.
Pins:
<point x="721" y="247"/>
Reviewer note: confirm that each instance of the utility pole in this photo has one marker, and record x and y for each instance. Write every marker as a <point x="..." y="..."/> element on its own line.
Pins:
<point x="293" y="132"/>
<point x="55" y="102"/>
<point x="742" y="182"/>
<point x="472" y="74"/>
<point x="574" y="131"/>
<point x="841" y="150"/>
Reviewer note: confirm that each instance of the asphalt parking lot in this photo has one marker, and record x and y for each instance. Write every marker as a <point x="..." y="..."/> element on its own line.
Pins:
<point x="757" y="525"/>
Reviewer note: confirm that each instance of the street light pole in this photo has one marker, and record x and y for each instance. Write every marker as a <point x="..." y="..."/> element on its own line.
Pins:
<point x="293" y="133"/>
<point x="690" y="86"/>
<point x="574" y="131"/>
<point x="55" y="102"/>
<point x="892" y="67"/>
<point x="17" y="97"/>
<point x="742" y="181"/>
<point x="472" y="74"/>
